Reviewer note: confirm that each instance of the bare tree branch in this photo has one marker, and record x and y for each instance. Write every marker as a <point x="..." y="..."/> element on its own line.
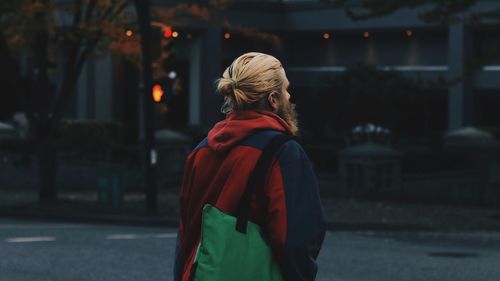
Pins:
<point x="114" y="10"/>
<point x="78" y="12"/>
<point x="90" y="10"/>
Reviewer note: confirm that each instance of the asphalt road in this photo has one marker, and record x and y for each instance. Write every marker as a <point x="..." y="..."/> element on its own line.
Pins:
<point x="47" y="251"/>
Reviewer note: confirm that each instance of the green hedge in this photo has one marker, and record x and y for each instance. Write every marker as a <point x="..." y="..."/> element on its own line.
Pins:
<point x="363" y="94"/>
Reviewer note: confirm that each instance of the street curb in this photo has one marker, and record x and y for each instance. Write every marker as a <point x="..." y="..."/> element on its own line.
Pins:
<point x="379" y="227"/>
<point x="171" y="222"/>
<point x="157" y="221"/>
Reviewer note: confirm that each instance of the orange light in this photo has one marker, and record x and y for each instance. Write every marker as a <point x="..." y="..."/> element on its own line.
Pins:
<point x="326" y="35"/>
<point x="409" y="33"/>
<point x="175" y="34"/>
<point x="129" y="33"/>
<point x="227" y="35"/>
<point x="366" y="34"/>
<point x="167" y="32"/>
<point x="157" y="93"/>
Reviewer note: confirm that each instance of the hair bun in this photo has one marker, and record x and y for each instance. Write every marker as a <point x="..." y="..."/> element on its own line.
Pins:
<point x="225" y="86"/>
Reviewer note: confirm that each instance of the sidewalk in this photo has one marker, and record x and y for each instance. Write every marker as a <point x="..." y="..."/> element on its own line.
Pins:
<point x="341" y="214"/>
<point x="355" y="214"/>
<point x="83" y="206"/>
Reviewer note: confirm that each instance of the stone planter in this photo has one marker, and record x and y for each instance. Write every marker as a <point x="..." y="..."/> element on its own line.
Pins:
<point x="369" y="169"/>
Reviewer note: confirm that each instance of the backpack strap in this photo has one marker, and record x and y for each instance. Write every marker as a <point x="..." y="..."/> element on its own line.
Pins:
<point x="257" y="178"/>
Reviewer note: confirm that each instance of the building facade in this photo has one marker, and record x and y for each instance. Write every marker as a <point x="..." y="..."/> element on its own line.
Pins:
<point x="316" y="40"/>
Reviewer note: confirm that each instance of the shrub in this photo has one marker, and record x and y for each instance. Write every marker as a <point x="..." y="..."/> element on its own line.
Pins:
<point x="363" y="94"/>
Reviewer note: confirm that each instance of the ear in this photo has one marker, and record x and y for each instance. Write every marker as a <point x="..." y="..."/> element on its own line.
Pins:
<point x="273" y="101"/>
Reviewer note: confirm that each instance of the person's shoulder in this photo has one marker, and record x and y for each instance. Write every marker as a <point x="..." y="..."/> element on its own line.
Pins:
<point x="261" y="138"/>
<point x="293" y="147"/>
<point x="292" y="152"/>
<point x="293" y="159"/>
<point x="202" y="144"/>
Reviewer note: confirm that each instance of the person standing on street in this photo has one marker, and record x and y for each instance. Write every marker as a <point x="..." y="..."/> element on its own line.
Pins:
<point x="257" y="107"/>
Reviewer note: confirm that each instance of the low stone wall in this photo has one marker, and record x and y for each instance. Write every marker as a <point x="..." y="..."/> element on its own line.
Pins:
<point x="460" y="187"/>
<point x="455" y="187"/>
<point x="20" y="172"/>
<point x="17" y="171"/>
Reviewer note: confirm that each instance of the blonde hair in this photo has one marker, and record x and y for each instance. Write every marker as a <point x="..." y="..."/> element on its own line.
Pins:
<point x="249" y="80"/>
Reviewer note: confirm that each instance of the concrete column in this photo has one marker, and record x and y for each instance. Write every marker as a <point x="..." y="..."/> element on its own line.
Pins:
<point x="205" y="68"/>
<point x="86" y="92"/>
<point x="211" y="69"/>
<point x="195" y="82"/>
<point x="104" y="89"/>
<point x="460" y="94"/>
<point x="81" y="94"/>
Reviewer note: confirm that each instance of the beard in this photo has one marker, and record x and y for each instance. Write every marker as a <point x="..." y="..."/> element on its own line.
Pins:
<point x="289" y="114"/>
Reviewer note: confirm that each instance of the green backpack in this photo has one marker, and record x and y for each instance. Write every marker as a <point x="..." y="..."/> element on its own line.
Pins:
<point x="231" y="247"/>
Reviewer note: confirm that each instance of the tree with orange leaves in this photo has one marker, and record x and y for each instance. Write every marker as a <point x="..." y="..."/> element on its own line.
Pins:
<point x="83" y="29"/>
